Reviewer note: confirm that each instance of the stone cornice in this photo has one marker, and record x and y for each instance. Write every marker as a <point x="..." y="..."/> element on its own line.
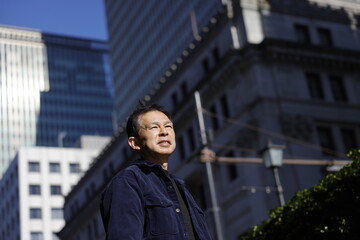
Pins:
<point x="322" y="56"/>
<point x="327" y="10"/>
<point x="348" y="5"/>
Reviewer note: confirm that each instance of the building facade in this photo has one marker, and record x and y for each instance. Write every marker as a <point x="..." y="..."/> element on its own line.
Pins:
<point x="150" y="35"/>
<point x="53" y="90"/>
<point x="32" y="190"/>
<point x="266" y="72"/>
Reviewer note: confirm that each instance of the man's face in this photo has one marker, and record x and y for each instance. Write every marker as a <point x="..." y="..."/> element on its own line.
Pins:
<point x="156" y="138"/>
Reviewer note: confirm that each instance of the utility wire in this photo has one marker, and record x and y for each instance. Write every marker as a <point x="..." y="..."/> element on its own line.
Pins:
<point x="248" y="150"/>
<point x="233" y="147"/>
<point x="271" y="133"/>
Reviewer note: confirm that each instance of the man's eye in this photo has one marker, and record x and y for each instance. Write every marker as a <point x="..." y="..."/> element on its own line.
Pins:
<point x="153" y="127"/>
<point x="168" y="126"/>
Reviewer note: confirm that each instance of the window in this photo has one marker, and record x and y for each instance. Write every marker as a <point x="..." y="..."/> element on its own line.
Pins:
<point x="36" y="236"/>
<point x="34" y="190"/>
<point x="349" y="138"/>
<point x="324" y="37"/>
<point x="54" y="167"/>
<point x="302" y="34"/>
<point x="191" y="138"/>
<point x="338" y="89"/>
<point x="111" y="168"/>
<point x="206" y="66"/>
<point x="34" y="167"/>
<point x="35" y="213"/>
<point x="231" y="168"/>
<point x="326" y="140"/>
<point x="55" y="190"/>
<point x="225" y="106"/>
<point x="87" y="192"/>
<point x="92" y="187"/>
<point x="174" y="99"/>
<point x="214" y="120"/>
<point x="315" y="86"/>
<point x="181" y="148"/>
<point x="184" y="90"/>
<point x="105" y="174"/>
<point x="215" y="53"/>
<point x="57" y="213"/>
<point x="74" y="168"/>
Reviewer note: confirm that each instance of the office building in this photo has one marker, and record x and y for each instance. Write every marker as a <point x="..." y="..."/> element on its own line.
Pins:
<point x="32" y="190"/>
<point x="284" y="72"/>
<point x="53" y="90"/>
<point x="145" y="38"/>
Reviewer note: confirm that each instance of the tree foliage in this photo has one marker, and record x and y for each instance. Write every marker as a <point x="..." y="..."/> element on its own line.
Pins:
<point x="329" y="210"/>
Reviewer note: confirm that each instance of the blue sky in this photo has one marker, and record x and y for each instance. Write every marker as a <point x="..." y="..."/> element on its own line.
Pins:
<point x="79" y="18"/>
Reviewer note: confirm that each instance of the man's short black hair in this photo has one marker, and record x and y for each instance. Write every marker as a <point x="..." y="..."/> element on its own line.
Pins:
<point x="132" y="125"/>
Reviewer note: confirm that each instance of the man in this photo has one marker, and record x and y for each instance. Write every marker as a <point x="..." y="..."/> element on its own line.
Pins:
<point x="144" y="201"/>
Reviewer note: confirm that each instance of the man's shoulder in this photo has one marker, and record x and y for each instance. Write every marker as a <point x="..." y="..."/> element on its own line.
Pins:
<point x="139" y="173"/>
<point x="130" y="175"/>
<point x="138" y="169"/>
<point x="129" y="172"/>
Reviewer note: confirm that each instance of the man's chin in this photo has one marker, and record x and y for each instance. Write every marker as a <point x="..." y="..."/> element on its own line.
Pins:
<point x="166" y="151"/>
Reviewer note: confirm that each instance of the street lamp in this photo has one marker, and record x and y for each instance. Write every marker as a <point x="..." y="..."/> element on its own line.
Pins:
<point x="273" y="158"/>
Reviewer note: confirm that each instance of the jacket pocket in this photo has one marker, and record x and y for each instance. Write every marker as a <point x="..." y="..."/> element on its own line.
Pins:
<point x="161" y="216"/>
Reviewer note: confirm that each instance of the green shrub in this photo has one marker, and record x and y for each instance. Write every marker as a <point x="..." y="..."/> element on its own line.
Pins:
<point x="329" y="210"/>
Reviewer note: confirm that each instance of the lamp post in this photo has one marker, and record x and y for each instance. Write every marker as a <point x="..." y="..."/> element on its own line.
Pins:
<point x="273" y="158"/>
<point x="209" y="171"/>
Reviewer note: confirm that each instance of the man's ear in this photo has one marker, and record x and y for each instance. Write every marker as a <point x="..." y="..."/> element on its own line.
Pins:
<point x="134" y="143"/>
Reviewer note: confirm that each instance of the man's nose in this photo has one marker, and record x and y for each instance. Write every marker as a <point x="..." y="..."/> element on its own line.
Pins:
<point x="163" y="131"/>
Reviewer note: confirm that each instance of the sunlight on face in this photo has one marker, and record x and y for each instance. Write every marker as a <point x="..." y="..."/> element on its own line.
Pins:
<point x="156" y="135"/>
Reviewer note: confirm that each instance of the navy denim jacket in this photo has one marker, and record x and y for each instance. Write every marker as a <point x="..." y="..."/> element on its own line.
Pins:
<point x="140" y="203"/>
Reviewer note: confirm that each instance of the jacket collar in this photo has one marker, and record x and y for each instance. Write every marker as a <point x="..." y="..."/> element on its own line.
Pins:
<point x="149" y="164"/>
<point x="143" y="162"/>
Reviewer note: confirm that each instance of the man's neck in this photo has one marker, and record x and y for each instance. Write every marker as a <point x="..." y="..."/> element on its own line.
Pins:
<point x="162" y="162"/>
<point x="164" y="165"/>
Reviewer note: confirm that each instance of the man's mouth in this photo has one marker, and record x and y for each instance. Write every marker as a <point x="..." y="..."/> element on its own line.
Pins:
<point x="164" y="143"/>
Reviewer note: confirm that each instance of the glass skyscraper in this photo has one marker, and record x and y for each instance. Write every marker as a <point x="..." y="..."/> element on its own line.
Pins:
<point x="146" y="37"/>
<point x="53" y="89"/>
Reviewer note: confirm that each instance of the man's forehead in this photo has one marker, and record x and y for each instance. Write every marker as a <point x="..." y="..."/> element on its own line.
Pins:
<point x="159" y="122"/>
<point x="154" y="117"/>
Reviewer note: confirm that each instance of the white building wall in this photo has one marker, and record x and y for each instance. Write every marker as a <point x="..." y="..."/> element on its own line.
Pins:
<point x="15" y="209"/>
<point x="46" y="201"/>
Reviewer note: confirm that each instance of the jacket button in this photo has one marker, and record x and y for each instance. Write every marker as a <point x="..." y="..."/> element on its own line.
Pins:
<point x="177" y="210"/>
<point x="170" y="187"/>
